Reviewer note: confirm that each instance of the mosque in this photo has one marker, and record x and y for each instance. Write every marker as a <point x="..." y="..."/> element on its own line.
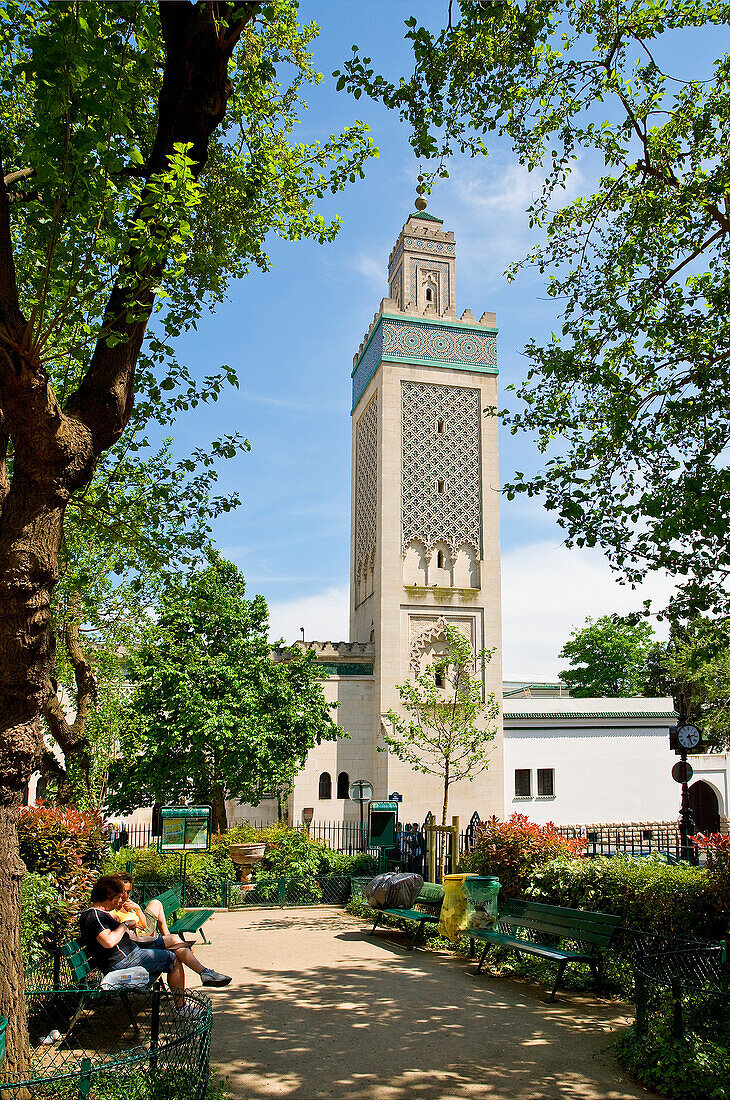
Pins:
<point x="425" y="554"/>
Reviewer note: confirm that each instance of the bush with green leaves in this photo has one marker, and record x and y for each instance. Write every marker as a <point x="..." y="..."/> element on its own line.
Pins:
<point x="289" y="852"/>
<point x="672" y="899"/>
<point x="696" y="1067"/>
<point x="44" y="916"/>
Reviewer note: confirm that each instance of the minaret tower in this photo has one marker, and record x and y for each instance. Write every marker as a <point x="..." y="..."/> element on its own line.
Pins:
<point x="425" y="501"/>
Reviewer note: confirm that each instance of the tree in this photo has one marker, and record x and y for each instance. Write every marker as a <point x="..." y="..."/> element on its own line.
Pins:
<point x="211" y="716"/>
<point x="694" y="668"/>
<point x="628" y="399"/>
<point x="608" y="657"/>
<point x="443" y="731"/>
<point x="146" y="154"/>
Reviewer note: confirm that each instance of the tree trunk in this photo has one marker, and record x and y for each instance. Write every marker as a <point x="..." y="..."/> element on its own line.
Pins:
<point x="444" y="811"/>
<point x="12" y="988"/>
<point x="220" y="815"/>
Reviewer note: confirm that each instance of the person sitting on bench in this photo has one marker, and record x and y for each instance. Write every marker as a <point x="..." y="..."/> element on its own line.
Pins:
<point x="112" y="945"/>
<point x="151" y="922"/>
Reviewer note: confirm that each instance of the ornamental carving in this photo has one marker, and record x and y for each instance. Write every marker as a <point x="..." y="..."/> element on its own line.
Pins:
<point x="425" y="633"/>
<point x="441" y="480"/>
<point x="366" y="486"/>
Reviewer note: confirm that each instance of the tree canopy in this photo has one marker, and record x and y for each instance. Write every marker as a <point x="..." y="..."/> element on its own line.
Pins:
<point x="608" y="657"/>
<point x="147" y="152"/>
<point x="628" y="398"/>
<point x="211" y="716"/>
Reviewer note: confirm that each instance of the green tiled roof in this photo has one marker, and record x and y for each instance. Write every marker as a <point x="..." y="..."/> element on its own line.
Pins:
<point x="555" y="714"/>
<point x="425" y="217"/>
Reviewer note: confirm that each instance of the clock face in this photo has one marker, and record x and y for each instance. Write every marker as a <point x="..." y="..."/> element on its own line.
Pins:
<point x="688" y="737"/>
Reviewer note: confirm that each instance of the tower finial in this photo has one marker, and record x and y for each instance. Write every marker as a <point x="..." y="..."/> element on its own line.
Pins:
<point x="421" y="203"/>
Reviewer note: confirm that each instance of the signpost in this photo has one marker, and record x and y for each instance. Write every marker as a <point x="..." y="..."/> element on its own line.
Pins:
<point x="361" y="791"/>
<point x="185" y="829"/>
<point x="682" y="738"/>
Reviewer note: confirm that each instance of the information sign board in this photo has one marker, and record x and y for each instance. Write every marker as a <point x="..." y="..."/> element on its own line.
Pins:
<point x="185" y="828"/>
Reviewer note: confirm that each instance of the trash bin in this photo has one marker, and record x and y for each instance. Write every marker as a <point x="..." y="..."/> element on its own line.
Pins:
<point x="452" y="920"/>
<point x="481" y="900"/>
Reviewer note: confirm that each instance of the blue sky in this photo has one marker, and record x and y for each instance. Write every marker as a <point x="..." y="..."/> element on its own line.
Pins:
<point x="292" y="332"/>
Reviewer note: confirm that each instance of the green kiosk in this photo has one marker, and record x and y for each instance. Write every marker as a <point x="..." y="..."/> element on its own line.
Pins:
<point x="383" y="827"/>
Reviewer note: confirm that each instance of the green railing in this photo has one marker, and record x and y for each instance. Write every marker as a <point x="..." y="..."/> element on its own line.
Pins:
<point x="87" y="1044"/>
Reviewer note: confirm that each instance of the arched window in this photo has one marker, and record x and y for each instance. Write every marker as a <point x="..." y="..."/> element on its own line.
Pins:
<point x="429" y="294"/>
<point x="325" y="785"/>
<point x="440" y="559"/>
<point x="343" y="785"/>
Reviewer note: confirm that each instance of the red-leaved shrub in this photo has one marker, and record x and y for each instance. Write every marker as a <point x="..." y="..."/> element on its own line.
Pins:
<point x="512" y="849"/>
<point x="69" y="844"/>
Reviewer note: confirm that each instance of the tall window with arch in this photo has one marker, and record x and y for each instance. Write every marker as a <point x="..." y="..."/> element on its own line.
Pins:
<point x="325" y="785"/>
<point x="343" y="785"/>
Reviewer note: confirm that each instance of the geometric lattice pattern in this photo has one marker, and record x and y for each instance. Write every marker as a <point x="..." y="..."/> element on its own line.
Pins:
<point x="438" y="342"/>
<point x="366" y="485"/>
<point x="442" y="248"/>
<point x="441" y="490"/>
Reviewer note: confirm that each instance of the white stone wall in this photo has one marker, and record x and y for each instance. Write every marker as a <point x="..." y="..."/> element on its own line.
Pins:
<point x="604" y="772"/>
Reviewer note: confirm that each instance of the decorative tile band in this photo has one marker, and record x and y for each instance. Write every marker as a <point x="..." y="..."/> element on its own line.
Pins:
<point x="405" y="339"/>
<point x="444" y="247"/>
<point x="432" y="344"/>
<point x="346" y="668"/>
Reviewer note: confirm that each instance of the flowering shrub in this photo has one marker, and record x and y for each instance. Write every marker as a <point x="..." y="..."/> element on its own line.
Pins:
<point x="716" y="847"/>
<point x="67" y="844"/>
<point x="512" y="850"/>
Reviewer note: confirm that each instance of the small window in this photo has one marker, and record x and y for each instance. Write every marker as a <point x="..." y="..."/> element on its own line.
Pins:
<point x="429" y="294"/>
<point x="439" y="679"/>
<point x="546" y="782"/>
<point x="325" y="785"/>
<point x="440" y="486"/>
<point x="343" y="785"/>
<point x="440" y="559"/>
<point x="439" y="427"/>
<point x="523" y="784"/>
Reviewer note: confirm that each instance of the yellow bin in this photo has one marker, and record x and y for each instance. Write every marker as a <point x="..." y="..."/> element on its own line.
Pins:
<point x="452" y="921"/>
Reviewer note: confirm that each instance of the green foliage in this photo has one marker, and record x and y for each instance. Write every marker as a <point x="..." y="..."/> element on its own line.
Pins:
<point x="512" y="850"/>
<point x="44" y="916"/>
<point x="694" y="667"/>
<point x="289" y="852"/>
<point x="628" y="399"/>
<point x="444" y="733"/>
<point x="677" y="900"/>
<point x="63" y="849"/>
<point x="696" y="1067"/>
<point x="211" y="716"/>
<point x="132" y="1084"/>
<point x="607" y="657"/>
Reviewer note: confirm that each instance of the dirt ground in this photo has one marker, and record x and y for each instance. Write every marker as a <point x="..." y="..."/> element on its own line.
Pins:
<point x="319" y="1009"/>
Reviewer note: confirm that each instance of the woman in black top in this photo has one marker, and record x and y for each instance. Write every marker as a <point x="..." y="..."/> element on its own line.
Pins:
<point x="112" y="945"/>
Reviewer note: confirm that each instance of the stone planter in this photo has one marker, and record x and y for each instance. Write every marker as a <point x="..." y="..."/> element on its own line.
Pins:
<point x="246" y="856"/>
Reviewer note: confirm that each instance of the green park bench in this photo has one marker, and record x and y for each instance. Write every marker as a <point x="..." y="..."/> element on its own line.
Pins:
<point x="538" y="929"/>
<point x="81" y="971"/>
<point x="426" y="910"/>
<point x="171" y="902"/>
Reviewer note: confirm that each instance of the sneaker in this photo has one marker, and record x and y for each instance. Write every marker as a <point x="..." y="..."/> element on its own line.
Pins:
<point x="189" y="1011"/>
<point x="212" y="977"/>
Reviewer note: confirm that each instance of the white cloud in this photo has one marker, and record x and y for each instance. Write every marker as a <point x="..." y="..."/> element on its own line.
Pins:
<point x="372" y="268"/>
<point x="325" y="616"/>
<point x="547" y="590"/>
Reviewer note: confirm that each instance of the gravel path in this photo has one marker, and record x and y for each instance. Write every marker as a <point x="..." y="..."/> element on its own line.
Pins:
<point x="318" y="1009"/>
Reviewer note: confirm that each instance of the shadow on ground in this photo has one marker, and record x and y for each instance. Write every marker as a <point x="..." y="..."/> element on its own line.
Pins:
<point x="322" y="1010"/>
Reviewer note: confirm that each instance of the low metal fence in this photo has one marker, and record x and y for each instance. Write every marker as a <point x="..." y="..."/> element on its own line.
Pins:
<point x="90" y="1044"/>
<point x="685" y="982"/>
<point x="604" y="840"/>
